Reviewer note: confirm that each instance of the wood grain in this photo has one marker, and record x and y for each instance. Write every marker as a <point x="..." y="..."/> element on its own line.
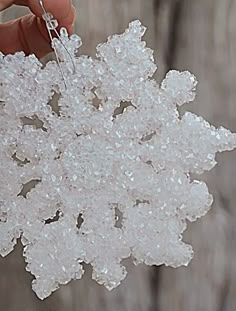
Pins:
<point x="199" y="35"/>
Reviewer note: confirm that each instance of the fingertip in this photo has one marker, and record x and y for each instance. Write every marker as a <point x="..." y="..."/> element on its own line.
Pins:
<point x="69" y="21"/>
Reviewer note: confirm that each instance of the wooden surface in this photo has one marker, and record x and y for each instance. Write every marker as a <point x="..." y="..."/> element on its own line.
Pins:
<point x="198" y="35"/>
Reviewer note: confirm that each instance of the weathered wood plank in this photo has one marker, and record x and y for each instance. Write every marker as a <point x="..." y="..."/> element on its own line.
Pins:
<point x="206" y="45"/>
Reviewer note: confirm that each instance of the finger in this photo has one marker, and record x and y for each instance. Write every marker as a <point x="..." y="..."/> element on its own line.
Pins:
<point x="60" y="9"/>
<point x="30" y="34"/>
<point x="23" y="34"/>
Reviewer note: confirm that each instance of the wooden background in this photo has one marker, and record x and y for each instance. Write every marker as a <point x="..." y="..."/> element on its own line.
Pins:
<point x="199" y="35"/>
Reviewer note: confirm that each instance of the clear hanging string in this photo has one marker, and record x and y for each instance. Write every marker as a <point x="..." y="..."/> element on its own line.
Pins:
<point x="52" y="24"/>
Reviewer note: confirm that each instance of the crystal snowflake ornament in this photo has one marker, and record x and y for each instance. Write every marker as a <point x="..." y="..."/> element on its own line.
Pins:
<point x="102" y="174"/>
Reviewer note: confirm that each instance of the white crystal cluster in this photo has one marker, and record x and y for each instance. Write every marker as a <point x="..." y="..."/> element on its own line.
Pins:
<point x="106" y="174"/>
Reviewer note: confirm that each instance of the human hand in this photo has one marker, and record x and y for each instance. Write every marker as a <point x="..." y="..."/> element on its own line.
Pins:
<point x="29" y="33"/>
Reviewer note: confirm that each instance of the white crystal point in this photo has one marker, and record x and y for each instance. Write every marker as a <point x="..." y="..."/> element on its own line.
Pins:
<point x="99" y="171"/>
<point x="53" y="258"/>
<point x="180" y="86"/>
